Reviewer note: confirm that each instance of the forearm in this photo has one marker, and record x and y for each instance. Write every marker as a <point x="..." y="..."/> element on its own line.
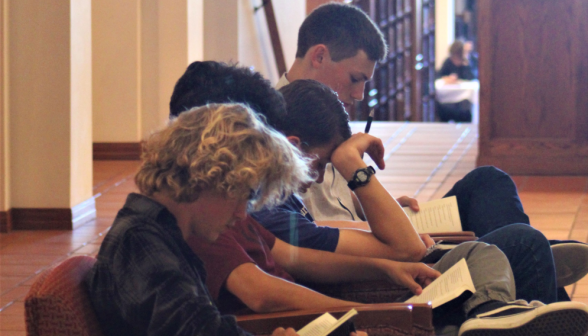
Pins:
<point x="386" y="219"/>
<point x="326" y="267"/>
<point x="283" y="296"/>
<point x="265" y="293"/>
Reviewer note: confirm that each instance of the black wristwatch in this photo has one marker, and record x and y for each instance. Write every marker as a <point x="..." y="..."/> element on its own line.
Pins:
<point x="361" y="177"/>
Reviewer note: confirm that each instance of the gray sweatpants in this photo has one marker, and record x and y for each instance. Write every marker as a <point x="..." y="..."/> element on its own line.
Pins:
<point x="490" y="271"/>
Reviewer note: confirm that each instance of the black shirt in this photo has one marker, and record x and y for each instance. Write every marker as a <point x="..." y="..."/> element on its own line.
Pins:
<point x="462" y="72"/>
<point x="147" y="281"/>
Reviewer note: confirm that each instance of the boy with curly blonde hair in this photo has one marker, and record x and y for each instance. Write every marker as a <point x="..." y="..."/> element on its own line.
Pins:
<point x="197" y="179"/>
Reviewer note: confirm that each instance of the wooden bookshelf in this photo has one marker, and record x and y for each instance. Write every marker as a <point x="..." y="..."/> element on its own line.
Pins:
<point x="403" y="85"/>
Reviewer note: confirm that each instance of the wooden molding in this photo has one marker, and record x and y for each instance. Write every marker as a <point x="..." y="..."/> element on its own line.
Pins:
<point x="536" y="165"/>
<point x="5" y="221"/>
<point x="117" y="151"/>
<point x="272" y="25"/>
<point x="41" y="219"/>
<point x="53" y="218"/>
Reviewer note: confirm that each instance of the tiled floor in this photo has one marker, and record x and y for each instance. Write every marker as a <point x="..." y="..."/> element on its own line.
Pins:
<point x="422" y="160"/>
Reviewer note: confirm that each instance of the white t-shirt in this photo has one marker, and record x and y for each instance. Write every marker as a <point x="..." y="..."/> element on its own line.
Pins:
<point x="330" y="200"/>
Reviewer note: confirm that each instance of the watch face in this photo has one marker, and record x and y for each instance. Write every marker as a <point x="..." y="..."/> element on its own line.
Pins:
<point x="362" y="176"/>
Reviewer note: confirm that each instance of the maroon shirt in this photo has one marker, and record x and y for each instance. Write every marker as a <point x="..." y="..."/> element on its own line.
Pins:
<point x="246" y="242"/>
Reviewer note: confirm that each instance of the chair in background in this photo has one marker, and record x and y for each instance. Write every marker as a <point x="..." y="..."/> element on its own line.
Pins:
<point x="58" y="304"/>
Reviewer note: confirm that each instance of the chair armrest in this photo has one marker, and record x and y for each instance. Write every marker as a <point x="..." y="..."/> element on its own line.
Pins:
<point x="455" y="233"/>
<point x="454" y="237"/>
<point x="378" y="319"/>
<point x="372" y="292"/>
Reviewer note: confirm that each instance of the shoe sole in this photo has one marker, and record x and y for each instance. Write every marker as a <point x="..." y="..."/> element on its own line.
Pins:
<point x="568" y="322"/>
<point x="570" y="256"/>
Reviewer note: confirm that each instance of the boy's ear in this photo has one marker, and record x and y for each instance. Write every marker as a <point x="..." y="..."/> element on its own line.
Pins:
<point x="319" y="54"/>
<point x="294" y="140"/>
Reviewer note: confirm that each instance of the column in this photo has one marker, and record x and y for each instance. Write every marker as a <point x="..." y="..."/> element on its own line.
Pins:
<point x="444" y="29"/>
<point x="47" y="112"/>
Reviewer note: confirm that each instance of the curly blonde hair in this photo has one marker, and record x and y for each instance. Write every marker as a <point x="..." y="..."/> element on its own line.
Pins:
<point x="224" y="148"/>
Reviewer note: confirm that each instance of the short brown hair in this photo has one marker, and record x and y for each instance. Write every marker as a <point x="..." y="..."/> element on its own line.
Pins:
<point x="345" y="30"/>
<point x="225" y="148"/>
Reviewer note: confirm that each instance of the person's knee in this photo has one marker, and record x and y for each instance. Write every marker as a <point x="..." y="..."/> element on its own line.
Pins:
<point x="528" y="236"/>
<point x="488" y="173"/>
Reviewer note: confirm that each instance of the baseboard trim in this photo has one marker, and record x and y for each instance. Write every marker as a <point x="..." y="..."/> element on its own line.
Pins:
<point x="5" y="221"/>
<point x="53" y="218"/>
<point x="117" y="151"/>
<point x="41" y="219"/>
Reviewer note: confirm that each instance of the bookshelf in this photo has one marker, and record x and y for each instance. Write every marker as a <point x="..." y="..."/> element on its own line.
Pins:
<point x="403" y="85"/>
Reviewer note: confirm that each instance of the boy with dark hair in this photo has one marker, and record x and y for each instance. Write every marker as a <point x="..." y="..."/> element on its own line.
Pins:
<point x="227" y="83"/>
<point x="344" y="29"/>
<point x="338" y="45"/>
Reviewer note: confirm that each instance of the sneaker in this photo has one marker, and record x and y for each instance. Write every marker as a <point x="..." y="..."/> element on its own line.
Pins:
<point x="535" y="319"/>
<point x="571" y="261"/>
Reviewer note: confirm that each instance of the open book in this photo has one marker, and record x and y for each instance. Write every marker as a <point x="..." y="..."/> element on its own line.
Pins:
<point x="447" y="287"/>
<point x="326" y="324"/>
<point x="436" y="216"/>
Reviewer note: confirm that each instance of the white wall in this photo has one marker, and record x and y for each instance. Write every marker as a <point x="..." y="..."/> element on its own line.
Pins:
<point x="195" y="30"/>
<point x="233" y="32"/>
<point x="116" y="74"/>
<point x="141" y="48"/>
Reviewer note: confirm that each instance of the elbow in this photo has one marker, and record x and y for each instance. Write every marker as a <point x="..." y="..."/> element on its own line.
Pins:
<point x="263" y="304"/>
<point x="414" y="254"/>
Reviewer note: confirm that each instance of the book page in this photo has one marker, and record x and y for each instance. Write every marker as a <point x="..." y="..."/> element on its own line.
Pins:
<point x="447" y="287"/>
<point x="319" y="326"/>
<point x="325" y="324"/>
<point x="440" y="215"/>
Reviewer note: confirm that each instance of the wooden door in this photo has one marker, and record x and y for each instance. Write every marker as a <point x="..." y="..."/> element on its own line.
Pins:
<point x="534" y="86"/>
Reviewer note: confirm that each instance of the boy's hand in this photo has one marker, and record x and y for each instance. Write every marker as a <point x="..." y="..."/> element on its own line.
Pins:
<point x="414" y="276"/>
<point x="427" y="240"/>
<point x="286" y="332"/>
<point x="410" y="202"/>
<point x="347" y="158"/>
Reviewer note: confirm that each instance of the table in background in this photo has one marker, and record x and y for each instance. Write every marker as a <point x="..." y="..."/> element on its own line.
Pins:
<point x="462" y="90"/>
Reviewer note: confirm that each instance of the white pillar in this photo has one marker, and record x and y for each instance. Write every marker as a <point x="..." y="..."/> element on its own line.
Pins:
<point x="444" y="29"/>
<point x="4" y="131"/>
<point x="49" y="111"/>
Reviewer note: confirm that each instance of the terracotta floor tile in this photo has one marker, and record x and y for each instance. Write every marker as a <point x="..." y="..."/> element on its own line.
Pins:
<point x="579" y="235"/>
<point x="581" y="223"/>
<point x="556" y="234"/>
<point x="24" y="259"/>
<point x="88" y="249"/>
<point x="552" y="221"/>
<point x="13" y="333"/>
<point x="12" y="322"/>
<point x="581" y="290"/>
<point x="39" y="249"/>
<point x="542" y="202"/>
<point x="16" y="308"/>
<point x="15" y="294"/>
<point x="17" y="270"/>
<point x="7" y="282"/>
